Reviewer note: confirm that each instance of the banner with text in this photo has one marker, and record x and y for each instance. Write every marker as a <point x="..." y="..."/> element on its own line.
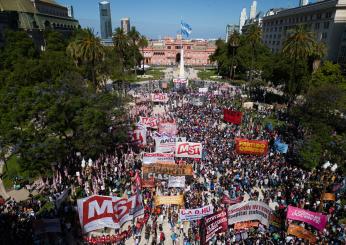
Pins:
<point x="169" y="169"/>
<point x="245" y="225"/>
<point x="149" y="122"/>
<point x="195" y="214"/>
<point x="180" y="81"/>
<point x="234" y="117"/>
<point x="139" y="136"/>
<point x="168" y="128"/>
<point x="253" y="147"/>
<point x="162" y="97"/>
<point x="300" y="232"/>
<point x="188" y="149"/>
<point x="249" y="211"/>
<point x="176" y="182"/>
<point x="98" y="212"/>
<point x="169" y="200"/>
<point x="148" y="183"/>
<point x="212" y="225"/>
<point x="317" y="220"/>
<point x="166" y="143"/>
<point x="158" y="157"/>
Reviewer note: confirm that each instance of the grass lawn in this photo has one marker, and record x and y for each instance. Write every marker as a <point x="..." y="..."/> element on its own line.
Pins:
<point x="13" y="170"/>
<point x="156" y="74"/>
<point x="206" y="74"/>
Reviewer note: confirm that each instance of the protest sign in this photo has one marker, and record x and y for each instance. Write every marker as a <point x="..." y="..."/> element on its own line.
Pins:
<point x="226" y="200"/>
<point x="180" y="81"/>
<point x="161" y="97"/>
<point x="203" y="90"/>
<point x="97" y="212"/>
<point x="150" y="122"/>
<point x="253" y="147"/>
<point x="148" y="183"/>
<point x="245" y="225"/>
<point x="329" y="197"/>
<point x="249" y="211"/>
<point x="169" y="169"/>
<point x="212" y="225"/>
<point x="301" y="233"/>
<point x="317" y="220"/>
<point x="169" y="200"/>
<point x="158" y="157"/>
<point x="188" y="149"/>
<point x="166" y="143"/>
<point x="195" y="214"/>
<point x="176" y="182"/>
<point x="139" y="136"/>
<point x="168" y="128"/>
<point x="234" y="117"/>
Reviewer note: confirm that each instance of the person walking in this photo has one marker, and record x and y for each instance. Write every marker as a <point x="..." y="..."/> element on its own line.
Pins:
<point x="174" y="237"/>
<point x="162" y="238"/>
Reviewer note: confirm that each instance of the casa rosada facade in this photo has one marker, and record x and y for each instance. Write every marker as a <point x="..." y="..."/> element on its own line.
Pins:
<point x="168" y="52"/>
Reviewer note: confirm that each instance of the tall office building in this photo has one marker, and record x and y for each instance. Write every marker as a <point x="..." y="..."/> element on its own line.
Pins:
<point x="230" y="29"/>
<point x="303" y="2"/>
<point x="70" y="11"/>
<point x="242" y="19"/>
<point x="253" y="10"/>
<point x="125" y="24"/>
<point x="105" y="20"/>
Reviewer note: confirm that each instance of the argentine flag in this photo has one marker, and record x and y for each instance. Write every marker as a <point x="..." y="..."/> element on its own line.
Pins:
<point x="185" y="29"/>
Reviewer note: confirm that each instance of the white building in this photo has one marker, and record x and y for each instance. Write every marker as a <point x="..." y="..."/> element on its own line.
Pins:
<point x="303" y="2"/>
<point x="242" y="19"/>
<point x="125" y="24"/>
<point x="253" y="10"/>
<point x="327" y="19"/>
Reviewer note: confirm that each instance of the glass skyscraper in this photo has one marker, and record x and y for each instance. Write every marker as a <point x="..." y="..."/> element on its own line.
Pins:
<point x="105" y="20"/>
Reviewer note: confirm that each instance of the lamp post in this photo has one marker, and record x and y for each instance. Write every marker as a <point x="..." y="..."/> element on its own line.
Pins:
<point x="327" y="173"/>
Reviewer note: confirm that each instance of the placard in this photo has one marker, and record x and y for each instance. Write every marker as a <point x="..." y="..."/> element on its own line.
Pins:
<point x="149" y="122"/>
<point x="212" y="225"/>
<point x="188" y="149"/>
<point x="166" y="143"/>
<point x="158" y="157"/>
<point x="249" y="211"/>
<point x="317" y="220"/>
<point x="161" y="97"/>
<point x="176" y="182"/>
<point x="195" y="214"/>
<point x="253" y="147"/>
<point x="169" y="200"/>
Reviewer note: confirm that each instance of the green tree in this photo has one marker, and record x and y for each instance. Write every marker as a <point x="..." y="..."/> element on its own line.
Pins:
<point x="319" y="51"/>
<point x="253" y="36"/>
<point x="121" y="45"/>
<point x="143" y="43"/>
<point x="87" y="49"/>
<point x="234" y="42"/>
<point x="328" y="73"/>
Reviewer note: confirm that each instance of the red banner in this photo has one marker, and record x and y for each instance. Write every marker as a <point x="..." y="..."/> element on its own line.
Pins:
<point x="254" y="147"/>
<point x="212" y="225"/>
<point x="234" y="117"/>
<point x="148" y="183"/>
<point x="226" y="200"/>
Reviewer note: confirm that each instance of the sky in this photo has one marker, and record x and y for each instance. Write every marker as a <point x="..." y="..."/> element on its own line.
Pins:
<point x="160" y="18"/>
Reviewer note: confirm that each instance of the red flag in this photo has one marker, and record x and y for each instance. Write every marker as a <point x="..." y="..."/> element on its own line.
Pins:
<point x="234" y="117"/>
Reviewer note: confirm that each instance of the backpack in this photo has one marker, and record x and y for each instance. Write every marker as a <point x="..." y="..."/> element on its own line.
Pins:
<point x="162" y="237"/>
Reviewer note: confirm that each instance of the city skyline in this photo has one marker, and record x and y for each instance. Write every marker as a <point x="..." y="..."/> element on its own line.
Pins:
<point x="145" y="15"/>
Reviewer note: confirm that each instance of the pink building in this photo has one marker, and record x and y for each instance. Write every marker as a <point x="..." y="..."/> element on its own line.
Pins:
<point x="167" y="52"/>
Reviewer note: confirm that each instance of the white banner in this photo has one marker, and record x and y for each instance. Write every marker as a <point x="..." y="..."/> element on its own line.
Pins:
<point x="149" y="122"/>
<point x="139" y="136"/>
<point x="159" y="98"/>
<point x="158" y="157"/>
<point x="188" y="149"/>
<point x="247" y="211"/>
<point x="176" y="182"/>
<point x="168" y="128"/>
<point x="195" y="214"/>
<point x="203" y="90"/>
<point x="180" y="80"/>
<point x="97" y="212"/>
<point x="166" y="143"/>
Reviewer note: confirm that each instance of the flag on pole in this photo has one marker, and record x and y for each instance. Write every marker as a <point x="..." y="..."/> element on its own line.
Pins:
<point x="185" y="29"/>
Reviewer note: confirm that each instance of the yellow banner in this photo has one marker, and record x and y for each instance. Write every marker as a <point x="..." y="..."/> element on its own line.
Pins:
<point x="170" y="169"/>
<point x="302" y="233"/>
<point x="245" y="225"/>
<point x="329" y="197"/>
<point x="166" y="200"/>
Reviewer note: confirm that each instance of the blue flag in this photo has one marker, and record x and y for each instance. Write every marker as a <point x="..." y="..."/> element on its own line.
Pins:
<point x="280" y="147"/>
<point x="185" y="29"/>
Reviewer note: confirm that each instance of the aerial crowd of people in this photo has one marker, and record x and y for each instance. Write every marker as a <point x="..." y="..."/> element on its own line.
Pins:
<point x="222" y="173"/>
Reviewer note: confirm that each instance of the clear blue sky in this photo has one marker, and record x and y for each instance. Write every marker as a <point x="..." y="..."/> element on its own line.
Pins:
<point x="159" y="18"/>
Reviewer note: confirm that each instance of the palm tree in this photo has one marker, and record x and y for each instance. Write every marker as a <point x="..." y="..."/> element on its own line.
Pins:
<point x="234" y="41"/>
<point x="87" y="48"/>
<point x="134" y="37"/>
<point x="318" y="52"/>
<point x="142" y="43"/>
<point x="298" y="45"/>
<point x="253" y="36"/>
<point x="121" y="44"/>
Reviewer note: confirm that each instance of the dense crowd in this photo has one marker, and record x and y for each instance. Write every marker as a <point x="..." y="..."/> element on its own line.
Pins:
<point x="221" y="172"/>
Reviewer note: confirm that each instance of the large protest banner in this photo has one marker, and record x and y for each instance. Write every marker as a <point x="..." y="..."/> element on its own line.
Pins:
<point x="212" y="225"/>
<point x="249" y="211"/>
<point x="96" y="212"/>
<point x="176" y="182"/>
<point x="166" y="143"/>
<point x="245" y="225"/>
<point x="234" y="117"/>
<point x="195" y="214"/>
<point x="139" y="136"/>
<point x="169" y="200"/>
<point x="188" y="149"/>
<point x="317" y="220"/>
<point x="254" y="147"/>
<point x="169" y="169"/>
<point x="329" y="197"/>
<point x="158" y="157"/>
<point x="168" y="128"/>
<point x="226" y="200"/>
<point x="162" y="97"/>
<point x="149" y="122"/>
<point x="180" y="81"/>
<point x="301" y="233"/>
